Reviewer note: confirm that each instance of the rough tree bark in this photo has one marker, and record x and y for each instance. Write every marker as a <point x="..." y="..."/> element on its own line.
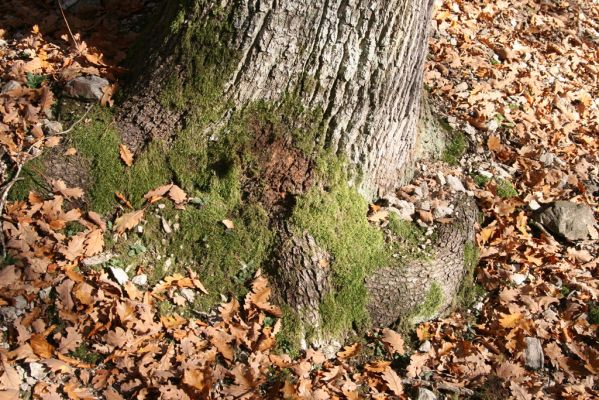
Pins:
<point x="359" y="62"/>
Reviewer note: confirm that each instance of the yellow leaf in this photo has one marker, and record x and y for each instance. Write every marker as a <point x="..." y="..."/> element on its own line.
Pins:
<point x="510" y="320"/>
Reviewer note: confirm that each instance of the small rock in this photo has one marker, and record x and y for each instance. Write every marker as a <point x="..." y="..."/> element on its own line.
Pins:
<point x="140" y="229"/>
<point x="534" y="205"/>
<point x="188" y="294"/>
<point x="119" y="275"/>
<point x="455" y="184"/>
<point x="36" y="370"/>
<point x="424" y="189"/>
<point x="10" y="85"/>
<point x="441" y="178"/>
<point x="442" y="212"/>
<point x="425" y="205"/>
<point x="548" y="159"/>
<point x="425" y="394"/>
<point x="166" y="226"/>
<point x="20" y="303"/>
<point x="44" y="294"/>
<point x="485" y="173"/>
<point x="140" y="280"/>
<point x="403" y="209"/>
<point x="52" y="127"/>
<point x="9" y="313"/>
<point x="567" y="219"/>
<point x="425" y="347"/>
<point x="533" y="354"/>
<point x="86" y="87"/>
<point x="518" y="279"/>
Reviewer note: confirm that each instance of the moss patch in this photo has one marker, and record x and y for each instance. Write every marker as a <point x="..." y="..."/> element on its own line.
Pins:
<point x="593" y="313"/>
<point x="432" y="302"/>
<point x="455" y="147"/>
<point x="469" y="291"/>
<point x="291" y="334"/>
<point x="505" y="189"/>
<point x="336" y="217"/>
<point x="31" y="180"/>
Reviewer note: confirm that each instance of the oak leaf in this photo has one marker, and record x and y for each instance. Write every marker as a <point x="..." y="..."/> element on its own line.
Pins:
<point x="394" y="340"/>
<point x="154" y="195"/>
<point x="58" y="186"/>
<point x="177" y="194"/>
<point x="40" y="346"/>
<point x="349" y="351"/>
<point x="126" y="155"/>
<point x="393" y="381"/>
<point x="128" y="221"/>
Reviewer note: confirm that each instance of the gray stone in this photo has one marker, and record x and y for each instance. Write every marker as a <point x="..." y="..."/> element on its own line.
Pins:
<point x="140" y="280"/>
<point x="425" y="394"/>
<point x="403" y="209"/>
<point x="442" y="212"/>
<point x="86" y="87"/>
<point x="188" y="294"/>
<point x="567" y="219"/>
<point x="455" y="184"/>
<point x="425" y="347"/>
<point x="533" y="354"/>
<point x="10" y="85"/>
<point x="119" y="275"/>
<point x="52" y="127"/>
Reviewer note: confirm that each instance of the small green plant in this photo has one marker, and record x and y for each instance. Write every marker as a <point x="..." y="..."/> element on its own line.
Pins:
<point x="593" y="314"/>
<point x="480" y="180"/>
<point x="505" y="189"/>
<point x="34" y="81"/>
<point x="85" y="354"/>
<point x="137" y="248"/>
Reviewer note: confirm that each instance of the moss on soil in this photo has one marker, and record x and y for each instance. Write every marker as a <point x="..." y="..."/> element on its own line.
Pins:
<point x="456" y="146"/>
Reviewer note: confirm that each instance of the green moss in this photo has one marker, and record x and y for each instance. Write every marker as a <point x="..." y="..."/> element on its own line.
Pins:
<point x="505" y="189"/>
<point x="480" y="180"/>
<point x="455" y="148"/>
<point x="30" y="180"/>
<point x="84" y="353"/>
<point x="469" y="291"/>
<point x="336" y="217"/>
<point x="291" y="334"/>
<point x="593" y="314"/>
<point x="432" y="302"/>
<point x="99" y="142"/>
<point x="408" y="241"/>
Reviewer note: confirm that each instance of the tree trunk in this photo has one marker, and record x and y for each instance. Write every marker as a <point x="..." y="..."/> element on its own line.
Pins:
<point x="359" y="62"/>
<point x="353" y="71"/>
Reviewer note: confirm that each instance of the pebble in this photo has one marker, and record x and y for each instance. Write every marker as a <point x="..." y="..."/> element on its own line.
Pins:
<point x="534" y="205"/>
<point x="10" y="85"/>
<point x="36" y="370"/>
<point x="533" y="354"/>
<point x="188" y="294"/>
<point x="20" y="303"/>
<point x="119" y="275"/>
<point x="86" y="87"/>
<point x="140" y="280"/>
<point x="455" y="184"/>
<point x="518" y="279"/>
<point x="403" y="209"/>
<point x="442" y="212"/>
<point x="441" y="178"/>
<point x="425" y="347"/>
<point x="425" y="394"/>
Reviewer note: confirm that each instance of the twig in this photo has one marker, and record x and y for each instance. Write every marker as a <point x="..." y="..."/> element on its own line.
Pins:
<point x="67" y="23"/>
<point x="75" y="123"/>
<point x="439" y="386"/>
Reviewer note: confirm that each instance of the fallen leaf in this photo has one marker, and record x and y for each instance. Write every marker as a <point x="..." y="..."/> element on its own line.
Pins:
<point x="126" y="155"/>
<point x="393" y="381"/>
<point x="394" y="340"/>
<point x="128" y="221"/>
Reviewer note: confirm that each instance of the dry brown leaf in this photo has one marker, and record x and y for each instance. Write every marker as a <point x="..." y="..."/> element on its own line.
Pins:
<point x="393" y="381"/>
<point x="40" y="346"/>
<point x="58" y="186"/>
<point x="494" y="143"/>
<point x="71" y="151"/>
<point x="394" y="340"/>
<point x="349" y="351"/>
<point x="94" y="243"/>
<point x="128" y="221"/>
<point x="177" y="194"/>
<point x="154" y="195"/>
<point x="126" y="155"/>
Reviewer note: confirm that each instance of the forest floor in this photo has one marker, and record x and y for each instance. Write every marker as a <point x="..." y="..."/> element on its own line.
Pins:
<point x="517" y="83"/>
